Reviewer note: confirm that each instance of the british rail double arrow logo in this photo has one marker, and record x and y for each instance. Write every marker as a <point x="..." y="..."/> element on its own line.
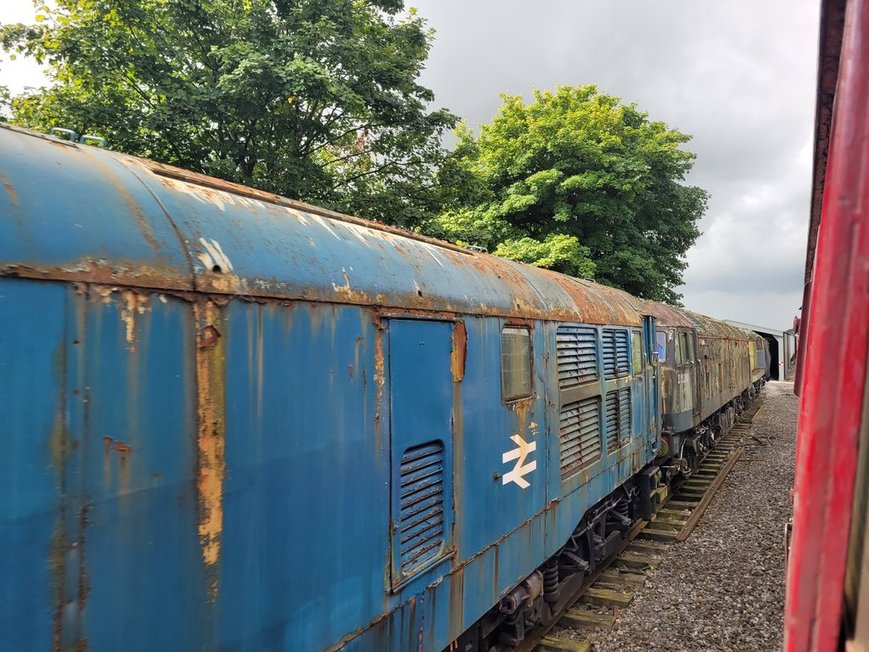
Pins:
<point x="520" y="453"/>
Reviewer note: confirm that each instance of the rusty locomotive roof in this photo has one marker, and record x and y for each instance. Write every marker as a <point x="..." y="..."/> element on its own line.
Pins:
<point x="666" y="315"/>
<point x="672" y="317"/>
<point x="79" y="213"/>
<point x="712" y="328"/>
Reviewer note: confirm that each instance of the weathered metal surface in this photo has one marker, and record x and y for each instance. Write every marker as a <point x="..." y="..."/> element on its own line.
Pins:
<point x="253" y="193"/>
<point x="833" y="439"/>
<point x="672" y="317"/>
<point x="832" y="24"/>
<point x="121" y="501"/>
<point x="70" y="212"/>
<point x="421" y="405"/>
<point x="306" y="493"/>
<point x="173" y="229"/>
<point x="211" y="442"/>
<point x="177" y="500"/>
<point x="218" y="434"/>
<point x="667" y="316"/>
<point x="35" y="444"/>
<point x="711" y="328"/>
<point x="719" y="372"/>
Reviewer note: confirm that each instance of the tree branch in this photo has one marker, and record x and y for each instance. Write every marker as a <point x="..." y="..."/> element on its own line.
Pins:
<point x="354" y="177"/>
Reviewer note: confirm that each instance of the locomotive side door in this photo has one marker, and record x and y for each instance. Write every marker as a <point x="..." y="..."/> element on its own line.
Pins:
<point x="421" y="412"/>
<point x="696" y="373"/>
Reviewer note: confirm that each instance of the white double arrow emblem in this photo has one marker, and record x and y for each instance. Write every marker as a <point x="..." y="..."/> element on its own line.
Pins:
<point x="523" y="448"/>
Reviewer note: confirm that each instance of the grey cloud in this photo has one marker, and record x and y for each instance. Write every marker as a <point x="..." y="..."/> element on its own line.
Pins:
<point x="779" y="308"/>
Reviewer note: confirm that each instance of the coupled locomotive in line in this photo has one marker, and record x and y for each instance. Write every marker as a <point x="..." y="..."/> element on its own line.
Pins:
<point x="235" y="421"/>
<point x="706" y="382"/>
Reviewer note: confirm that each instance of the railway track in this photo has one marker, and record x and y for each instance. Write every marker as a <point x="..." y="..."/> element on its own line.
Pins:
<point x="599" y="599"/>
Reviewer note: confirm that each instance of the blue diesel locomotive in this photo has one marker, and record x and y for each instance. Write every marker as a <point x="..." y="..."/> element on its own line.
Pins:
<point x="233" y="421"/>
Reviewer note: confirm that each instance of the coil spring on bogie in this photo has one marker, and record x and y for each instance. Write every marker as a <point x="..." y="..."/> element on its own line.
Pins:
<point x="620" y="515"/>
<point x="550" y="582"/>
<point x="621" y="509"/>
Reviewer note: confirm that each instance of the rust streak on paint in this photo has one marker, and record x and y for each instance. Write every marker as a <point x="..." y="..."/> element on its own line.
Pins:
<point x="11" y="193"/>
<point x="379" y="383"/>
<point x="211" y="436"/>
<point x="84" y="585"/>
<point x="133" y="304"/>
<point x="89" y="270"/>
<point x="522" y="409"/>
<point x="69" y="583"/>
<point x="459" y="351"/>
<point x="260" y="371"/>
<point x="379" y="366"/>
<point x="57" y="564"/>
<point x="124" y="451"/>
<point x="458" y="424"/>
<point x="59" y="442"/>
<point x="107" y="459"/>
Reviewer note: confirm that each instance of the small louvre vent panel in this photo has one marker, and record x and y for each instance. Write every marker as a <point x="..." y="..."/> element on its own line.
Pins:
<point x="624" y="414"/>
<point x="618" y="418"/>
<point x="577" y="355"/>
<point x="579" y="434"/>
<point x="421" y="519"/>
<point x="612" y="421"/>
<point x="614" y="345"/>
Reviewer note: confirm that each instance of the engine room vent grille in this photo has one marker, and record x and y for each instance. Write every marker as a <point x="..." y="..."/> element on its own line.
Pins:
<point x="618" y="418"/>
<point x="579" y="434"/>
<point x="421" y="517"/>
<point x="615" y="353"/>
<point x="577" y="355"/>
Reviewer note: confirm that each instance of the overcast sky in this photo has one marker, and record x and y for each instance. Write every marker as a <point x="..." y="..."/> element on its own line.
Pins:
<point x="738" y="76"/>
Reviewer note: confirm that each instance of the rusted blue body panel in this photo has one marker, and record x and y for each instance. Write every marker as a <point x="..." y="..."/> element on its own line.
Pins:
<point x="110" y="473"/>
<point x="134" y="459"/>
<point x="237" y="422"/>
<point x="31" y="352"/>
<point x="304" y="538"/>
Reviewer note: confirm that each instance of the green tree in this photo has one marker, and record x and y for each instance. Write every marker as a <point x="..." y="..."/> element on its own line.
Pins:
<point x="316" y="99"/>
<point x="557" y="251"/>
<point x="5" y="100"/>
<point x="578" y="182"/>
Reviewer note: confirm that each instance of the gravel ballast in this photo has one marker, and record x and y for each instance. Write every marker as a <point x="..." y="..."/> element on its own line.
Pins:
<point x="723" y="588"/>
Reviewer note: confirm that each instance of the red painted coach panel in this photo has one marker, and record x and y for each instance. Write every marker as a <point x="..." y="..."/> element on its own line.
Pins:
<point x="834" y="345"/>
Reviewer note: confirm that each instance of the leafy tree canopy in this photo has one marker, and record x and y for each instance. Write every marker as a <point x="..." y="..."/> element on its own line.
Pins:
<point x="557" y="251"/>
<point x="316" y="99"/>
<point x="578" y="182"/>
